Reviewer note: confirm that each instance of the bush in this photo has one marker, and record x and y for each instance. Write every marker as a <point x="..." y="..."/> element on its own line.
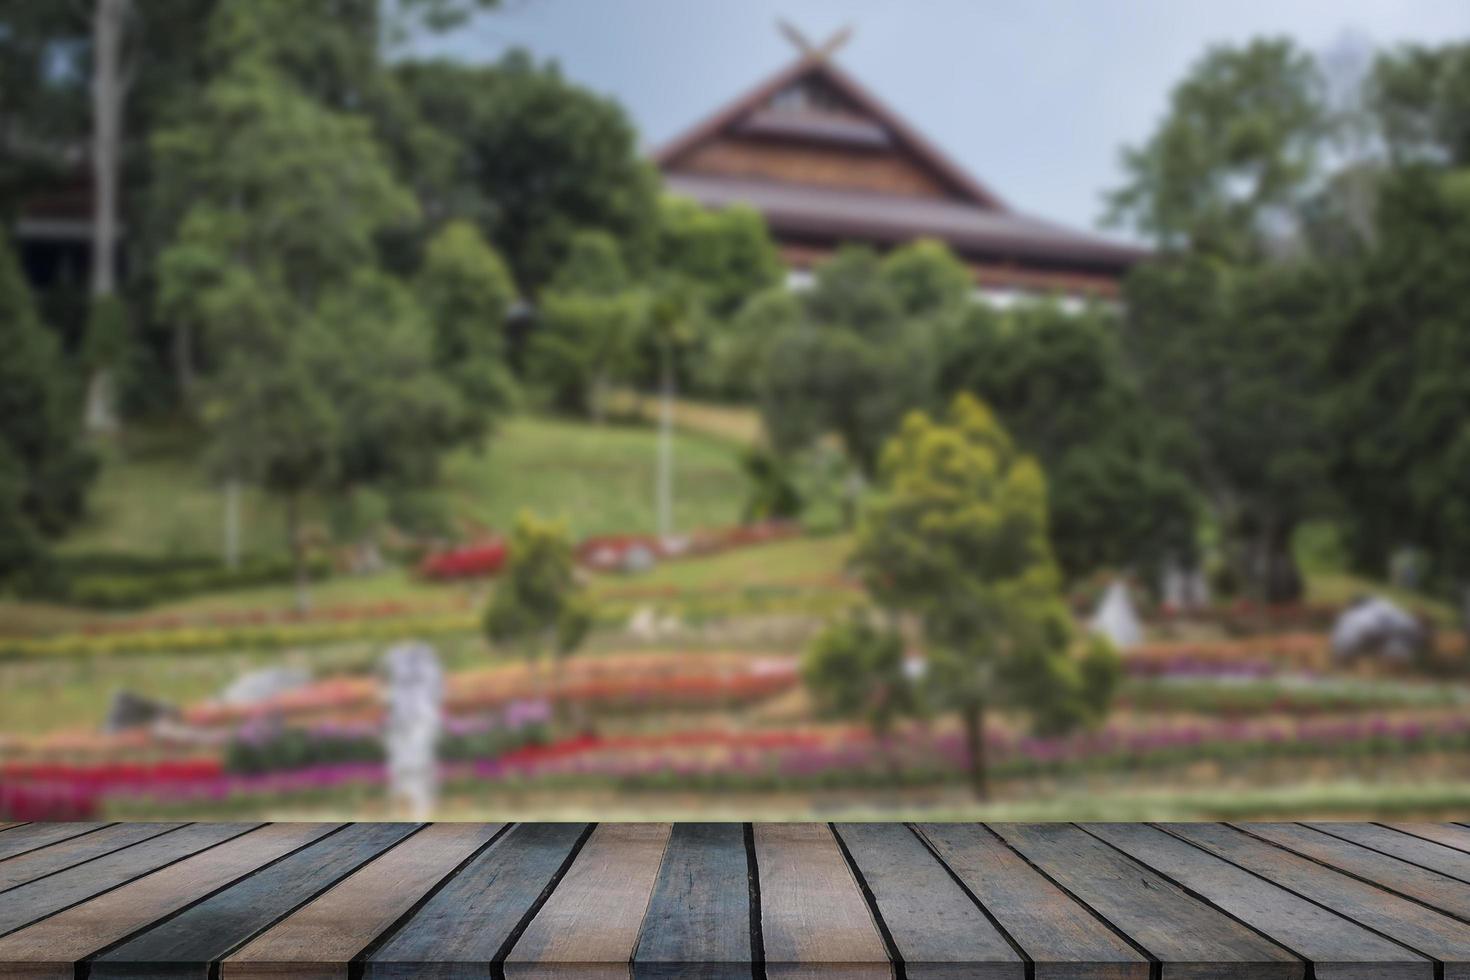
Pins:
<point x="120" y="581"/>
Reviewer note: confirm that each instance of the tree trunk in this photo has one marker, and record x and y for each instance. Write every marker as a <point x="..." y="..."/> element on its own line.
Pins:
<point x="974" y="718"/>
<point x="666" y="445"/>
<point x="1281" y="580"/>
<point x="298" y="552"/>
<point x="109" y="90"/>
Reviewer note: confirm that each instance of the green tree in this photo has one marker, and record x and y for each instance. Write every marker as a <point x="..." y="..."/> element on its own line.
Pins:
<point x="729" y="252"/>
<point x="44" y="468"/>
<point x="1421" y="98"/>
<point x="927" y="279"/>
<point x="466" y="291"/>
<point x="539" y="604"/>
<point x="958" y="543"/>
<point x="855" y="668"/>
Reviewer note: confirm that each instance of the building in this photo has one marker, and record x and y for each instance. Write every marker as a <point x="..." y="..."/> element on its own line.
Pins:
<point x="827" y="163"/>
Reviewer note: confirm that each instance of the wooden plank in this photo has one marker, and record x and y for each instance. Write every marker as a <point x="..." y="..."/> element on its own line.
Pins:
<point x="589" y="926"/>
<point x="1405" y="847"/>
<point x="185" y="945"/>
<point x="814" y="919"/>
<point x="39" y="863"/>
<point x="321" y="938"/>
<point x="939" y="932"/>
<point x="28" y="837"/>
<point x="1063" y="939"/>
<point x="1430" y="887"/>
<point x="1448" y="834"/>
<point x="1188" y="937"/>
<point x="698" y="920"/>
<point x="466" y="926"/>
<point x="53" y="893"/>
<point x="51" y="947"/>
<point x="1337" y="947"/>
<point x="1420" y="928"/>
<point x="7" y="826"/>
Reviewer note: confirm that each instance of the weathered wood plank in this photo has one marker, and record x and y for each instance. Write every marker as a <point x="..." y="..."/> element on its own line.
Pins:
<point x="814" y="919"/>
<point x="1063" y="939"/>
<point x="185" y="945"/>
<point x="7" y="826"/>
<point x="27" y="867"/>
<point x="589" y="926"/>
<point x="1405" y="847"/>
<point x="30" y="836"/>
<point x="322" y="937"/>
<point x="1448" y="834"/>
<point x="698" y="922"/>
<point x="1337" y="947"/>
<point x="1431" y="933"/>
<point x="53" y="893"/>
<point x="467" y="924"/>
<point x="52" y="946"/>
<point x="1430" y="887"/>
<point x="1188" y="937"/>
<point x="939" y="932"/>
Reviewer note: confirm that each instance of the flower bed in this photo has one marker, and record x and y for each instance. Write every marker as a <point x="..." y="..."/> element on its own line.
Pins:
<point x="481" y="560"/>
<point x="613" y="552"/>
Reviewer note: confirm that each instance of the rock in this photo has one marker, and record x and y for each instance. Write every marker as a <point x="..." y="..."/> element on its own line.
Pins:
<point x="129" y="710"/>
<point x="1115" y="618"/>
<point x="415" y="695"/>
<point x="262" y="685"/>
<point x="1375" y="627"/>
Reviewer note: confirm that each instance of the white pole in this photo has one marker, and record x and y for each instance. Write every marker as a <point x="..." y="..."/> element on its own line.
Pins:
<point x="666" y="447"/>
<point x="232" y="523"/>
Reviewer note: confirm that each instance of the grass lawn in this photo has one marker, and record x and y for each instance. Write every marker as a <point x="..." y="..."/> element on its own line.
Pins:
<point x="800" y="561"/>
<point x="736" y="423"/>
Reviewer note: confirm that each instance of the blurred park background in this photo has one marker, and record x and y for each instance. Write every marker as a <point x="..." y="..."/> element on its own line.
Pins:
<point x="390" y="435"/>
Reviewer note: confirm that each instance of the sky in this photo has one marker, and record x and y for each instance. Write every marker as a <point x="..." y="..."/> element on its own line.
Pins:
<point x="1036" y="98"/>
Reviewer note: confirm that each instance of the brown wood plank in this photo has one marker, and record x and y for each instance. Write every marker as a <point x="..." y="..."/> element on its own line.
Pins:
<point x="1063" y="939"/>
<point x="1188" y="937"/>
<point x="1431" y="933"/>
<point x="1448" y="834"/>
<point x="7" y="826"/>
<point x="321" y="938"/>
<point x="814" y="919"/>
<point x="28" y="837"/>
<point x="1338" y="948"/>
<point x="38" y="899"/>
<point x="52" y="946"/>
<point x="41" y="862"/>
<point x="938" y="930"/>
<point x="1405" y="847"/>
<point x="589" y="926"/>
<point x="465" y="927"/>
<point x="697" y="926"/>
<point x="1430" y="887"/>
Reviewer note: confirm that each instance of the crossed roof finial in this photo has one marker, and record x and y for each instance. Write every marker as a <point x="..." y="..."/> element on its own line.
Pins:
<point x="817" y="52"/>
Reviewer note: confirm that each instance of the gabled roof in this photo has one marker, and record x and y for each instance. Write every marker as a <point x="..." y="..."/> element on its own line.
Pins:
<point x="817" y="64"/>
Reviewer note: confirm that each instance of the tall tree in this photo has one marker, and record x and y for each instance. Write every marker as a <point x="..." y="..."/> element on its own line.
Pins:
<point x="728" y="253"/>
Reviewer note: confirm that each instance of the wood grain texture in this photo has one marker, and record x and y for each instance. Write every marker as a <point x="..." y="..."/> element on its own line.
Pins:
<point x="1430" y="932"/>
<point x="1430" y="887"/>
<point x="1338" y="948"/>
<point x="1062" y="938"/>
<point x="53" y="893"/>
<point x="63" y="939"/>
<point x="321" y="938"/>
<point x="1190" y="938"/>
<point x="814" y="919"/>
<point x="467" y="924"/>
<point x="589" y="926"/>
<point x="185" y="945"/>
<point x="44" y="861"/>
<point x="940" y="933"/>
<point x="27" y="837"/>
<point x="698" y="922"/>
<point x="1405" y="847"/>
<point x="1448" y="834"/>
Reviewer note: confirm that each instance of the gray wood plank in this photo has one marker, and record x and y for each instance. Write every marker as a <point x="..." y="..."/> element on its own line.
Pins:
<point x="465" y="927"/>
<point x="1448" y="834"/>
<point x="28" y="837"/>
<point x="185" y="945"/>
<point x="1063" y="939"/>
<point x="697" y="926"/>
<point x="1431" y="933"/>
<point x="1337" y="947"/>
<point x="1405" y="847"/>
<point x="1430" y="887"/>
<point x="48" y="860"/>
<point x="45" y="896"/>
<point x="1188" y="937"/>
<point x="939" y="932"/>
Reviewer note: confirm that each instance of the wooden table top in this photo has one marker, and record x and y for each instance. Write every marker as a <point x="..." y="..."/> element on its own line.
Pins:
<point x="534" y="900"/>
